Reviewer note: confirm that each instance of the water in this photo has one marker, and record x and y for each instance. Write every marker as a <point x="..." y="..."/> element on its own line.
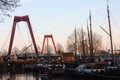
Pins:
<point x="31" y="76"/>
<point x="19" y="77"/>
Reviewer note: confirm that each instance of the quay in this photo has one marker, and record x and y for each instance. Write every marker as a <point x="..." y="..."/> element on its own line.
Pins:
<point x="16" y="64"/>
<point x="51" y="64"/>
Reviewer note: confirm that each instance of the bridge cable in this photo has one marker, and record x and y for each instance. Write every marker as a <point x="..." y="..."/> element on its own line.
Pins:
<point x="6" y="40"/>
<point x="28" y="34"/>
<point x="20" y="33"/>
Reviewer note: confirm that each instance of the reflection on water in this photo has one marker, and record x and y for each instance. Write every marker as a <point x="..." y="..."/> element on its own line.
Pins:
<point x="32" y="77"/>
<point x="27" y="77"/>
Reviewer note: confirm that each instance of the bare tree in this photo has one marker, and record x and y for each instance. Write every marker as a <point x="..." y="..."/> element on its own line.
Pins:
<point x="7" y="6"/>
<point x="70" y="43"/>
<point x="59" y="48"/>
<point x="97" y="42"/>
<point x="83" y="42"/>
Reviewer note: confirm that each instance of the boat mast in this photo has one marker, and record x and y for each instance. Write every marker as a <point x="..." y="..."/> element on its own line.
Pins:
<point x="110" y="32"/>
<point x="75" y="45"/>
<point x="83" y="45"/>
<point x="91" y="41"/>
<point x="88" y="36"/>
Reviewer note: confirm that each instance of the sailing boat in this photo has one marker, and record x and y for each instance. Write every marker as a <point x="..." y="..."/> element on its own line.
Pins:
<point x="110" y="72"/>
<point x="107" y="72"/>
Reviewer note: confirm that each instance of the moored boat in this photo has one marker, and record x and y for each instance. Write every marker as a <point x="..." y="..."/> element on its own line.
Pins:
<point x="105" y="73"/>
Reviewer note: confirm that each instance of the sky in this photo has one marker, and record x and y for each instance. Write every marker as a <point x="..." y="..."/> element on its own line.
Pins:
<point x="59" y="18"/>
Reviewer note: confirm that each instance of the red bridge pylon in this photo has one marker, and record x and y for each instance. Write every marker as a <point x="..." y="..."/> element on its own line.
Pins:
<point x="16" y="20"/>
<point x="48" y="36"/>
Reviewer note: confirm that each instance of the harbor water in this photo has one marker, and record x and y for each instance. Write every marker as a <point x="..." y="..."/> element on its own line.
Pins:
<point x="32" y="76"/>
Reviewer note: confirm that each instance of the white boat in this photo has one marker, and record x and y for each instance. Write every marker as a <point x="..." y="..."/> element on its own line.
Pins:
<point x="86" y="69"/>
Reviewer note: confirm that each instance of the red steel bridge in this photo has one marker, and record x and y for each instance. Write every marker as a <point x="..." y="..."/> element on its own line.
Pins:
<point x="26" y="19"/>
